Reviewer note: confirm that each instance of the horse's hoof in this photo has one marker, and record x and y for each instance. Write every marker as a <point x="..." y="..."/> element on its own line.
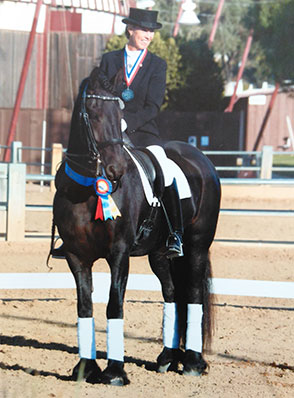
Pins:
<point x="163" y="368"/>
<point x="114" y="374"/>
<point x="194" y="364"/>
<point x="168" y="360"/>
<point x="118" y="381"/>
<point x="87" y="370"/>
<point x="191" y="373"/>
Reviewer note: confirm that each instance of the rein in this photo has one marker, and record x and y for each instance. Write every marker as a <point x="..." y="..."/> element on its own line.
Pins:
<point x="94" y="146"/>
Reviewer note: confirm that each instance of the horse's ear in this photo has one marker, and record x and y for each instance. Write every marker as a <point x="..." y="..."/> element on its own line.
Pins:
<point x="118" y="79"/>
<point x="94" y="78"/>
<point x="98" y="79"/>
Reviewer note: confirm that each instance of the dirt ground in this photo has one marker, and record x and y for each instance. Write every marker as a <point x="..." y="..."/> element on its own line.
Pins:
<point x="252" y="352"/>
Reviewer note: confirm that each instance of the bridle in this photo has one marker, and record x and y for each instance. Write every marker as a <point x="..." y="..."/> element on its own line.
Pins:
<point x="94" y="147"/>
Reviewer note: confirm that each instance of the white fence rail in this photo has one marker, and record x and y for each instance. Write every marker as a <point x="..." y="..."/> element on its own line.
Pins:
<point x="259" y="162"/>
<point x="101" y="283"/>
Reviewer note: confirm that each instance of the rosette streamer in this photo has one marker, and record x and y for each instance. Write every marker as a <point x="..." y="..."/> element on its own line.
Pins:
<point x="106" y="207"/>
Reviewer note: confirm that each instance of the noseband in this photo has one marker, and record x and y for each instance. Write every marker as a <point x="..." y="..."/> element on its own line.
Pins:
<point x="94" y="146"/>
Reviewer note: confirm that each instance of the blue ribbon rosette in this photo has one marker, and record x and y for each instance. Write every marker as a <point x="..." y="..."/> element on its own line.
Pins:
<point x="106" y="208"/>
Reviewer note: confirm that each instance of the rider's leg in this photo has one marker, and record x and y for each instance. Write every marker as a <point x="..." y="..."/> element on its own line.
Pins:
<point x="58" y="252"/>
<point x="173" y="208"/>
<point x="172" y="203"/>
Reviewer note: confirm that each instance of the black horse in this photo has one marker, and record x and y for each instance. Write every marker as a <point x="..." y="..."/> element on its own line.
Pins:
<point x="98" y="151"/>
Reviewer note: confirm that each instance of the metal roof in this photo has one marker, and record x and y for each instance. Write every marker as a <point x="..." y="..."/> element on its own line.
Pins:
<point x="119" y="7"/>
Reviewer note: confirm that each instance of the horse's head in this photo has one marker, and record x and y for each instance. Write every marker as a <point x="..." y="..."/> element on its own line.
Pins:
<point x="99" y="110"/>
<point x="104" y="108"/>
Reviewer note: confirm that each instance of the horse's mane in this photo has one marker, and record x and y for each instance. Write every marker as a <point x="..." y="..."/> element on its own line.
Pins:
<point x="98" y="79"/>
<point x="95" y="81"/>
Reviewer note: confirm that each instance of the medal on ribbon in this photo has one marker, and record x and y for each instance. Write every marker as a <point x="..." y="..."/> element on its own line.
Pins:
<point x="128" y="94"/>
<point x="106" y="207"/>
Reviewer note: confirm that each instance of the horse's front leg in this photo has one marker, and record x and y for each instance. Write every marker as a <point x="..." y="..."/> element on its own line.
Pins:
<point x="87" y="368"/>
<point x="114" y="374"/>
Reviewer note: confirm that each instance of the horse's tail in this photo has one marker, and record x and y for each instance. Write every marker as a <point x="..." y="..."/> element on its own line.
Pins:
<point x="208" y="324"/>
<point x="52" y="243"/>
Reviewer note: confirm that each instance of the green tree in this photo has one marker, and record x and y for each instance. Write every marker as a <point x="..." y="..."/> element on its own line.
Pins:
<point x="274" y="32"/>
<point x="230" y="38"/>
<point x="202" y="82"/>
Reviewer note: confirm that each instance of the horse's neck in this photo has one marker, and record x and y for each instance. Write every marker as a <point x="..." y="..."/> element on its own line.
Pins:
<point x="77" y="142"/>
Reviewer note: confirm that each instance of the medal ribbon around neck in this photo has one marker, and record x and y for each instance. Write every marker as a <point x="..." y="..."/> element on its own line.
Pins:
<point x="130" y="76"/>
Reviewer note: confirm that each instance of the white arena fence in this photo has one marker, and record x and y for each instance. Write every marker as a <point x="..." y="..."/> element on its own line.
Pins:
<point x="101" y="282"/>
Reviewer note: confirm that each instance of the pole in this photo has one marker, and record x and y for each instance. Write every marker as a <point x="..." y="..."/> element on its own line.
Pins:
<point x="176" y="28"/>
<point x="215" y="22"/>
<point x="22" y="81"/>
<point x="46" y="49"/>
<point x="267" y="115"/>
<point x="240" y="73"/>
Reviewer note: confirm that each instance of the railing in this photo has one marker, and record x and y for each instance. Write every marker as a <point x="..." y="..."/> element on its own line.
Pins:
<point x="258" y="162"/>
<point x="13" y="178"/>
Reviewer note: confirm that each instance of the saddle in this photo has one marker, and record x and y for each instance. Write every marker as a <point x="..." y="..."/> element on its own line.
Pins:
<point x="153" y="172"/>
<point x="151" y="168"/>
<point x="149" y="164"/>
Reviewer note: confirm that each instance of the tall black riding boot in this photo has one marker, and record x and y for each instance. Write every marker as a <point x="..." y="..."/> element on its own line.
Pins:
<point x="173" y="207"/>
<point x="58" y="252"/>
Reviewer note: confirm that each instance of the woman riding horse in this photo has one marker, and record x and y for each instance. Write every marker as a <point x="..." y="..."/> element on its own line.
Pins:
<point x="143" y="89"/>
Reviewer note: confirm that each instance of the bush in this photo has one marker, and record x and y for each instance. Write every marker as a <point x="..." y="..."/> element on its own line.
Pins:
<point x="202" y="82"/>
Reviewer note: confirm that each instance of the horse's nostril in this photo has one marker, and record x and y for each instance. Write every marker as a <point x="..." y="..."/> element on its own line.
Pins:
<point x="113" y="172"/>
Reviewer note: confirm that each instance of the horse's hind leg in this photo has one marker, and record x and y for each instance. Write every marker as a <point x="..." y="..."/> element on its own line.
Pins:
<point x="186" y="309"/>
<point x="198" y="310"/>
<point x="171" y="354"/>
<point x="87" y="368"/>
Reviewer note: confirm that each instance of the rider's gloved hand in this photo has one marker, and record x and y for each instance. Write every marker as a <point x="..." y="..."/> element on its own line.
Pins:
<point x="123" y="125"/>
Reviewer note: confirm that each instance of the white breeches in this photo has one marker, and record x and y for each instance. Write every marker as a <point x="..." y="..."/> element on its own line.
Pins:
<point x="166" y="165"/>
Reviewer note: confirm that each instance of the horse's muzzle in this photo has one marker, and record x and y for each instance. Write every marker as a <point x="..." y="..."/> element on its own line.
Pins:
<point x="114" y="172"/>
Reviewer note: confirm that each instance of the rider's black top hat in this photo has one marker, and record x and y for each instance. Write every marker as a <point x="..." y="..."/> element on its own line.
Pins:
<point x="143" y="18"/>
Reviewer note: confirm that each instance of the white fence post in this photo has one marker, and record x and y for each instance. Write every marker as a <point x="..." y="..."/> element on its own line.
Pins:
<point x="56" y="159"/>
<point x="16" y="152"/>
<point x="16" y="202"/>
<point x="3" y="197"/>
<point x="266" y="162"/>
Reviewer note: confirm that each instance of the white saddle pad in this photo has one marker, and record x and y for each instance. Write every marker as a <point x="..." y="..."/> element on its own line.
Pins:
<point x="182" y="182"/>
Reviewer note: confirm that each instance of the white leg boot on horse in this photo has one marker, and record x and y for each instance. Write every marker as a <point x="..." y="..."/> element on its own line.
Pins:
<point x="171" y="355"/>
